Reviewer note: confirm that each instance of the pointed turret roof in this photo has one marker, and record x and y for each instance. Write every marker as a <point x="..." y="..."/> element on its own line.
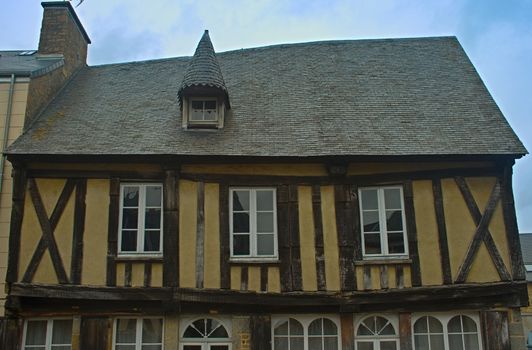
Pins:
<point x="203" y="69"/>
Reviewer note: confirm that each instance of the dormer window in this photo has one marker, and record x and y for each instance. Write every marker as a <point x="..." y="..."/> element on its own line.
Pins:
<point x="203" y="110"/>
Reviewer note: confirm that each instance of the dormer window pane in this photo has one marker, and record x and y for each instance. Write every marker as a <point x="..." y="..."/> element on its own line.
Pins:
<point x="204" y="110"/>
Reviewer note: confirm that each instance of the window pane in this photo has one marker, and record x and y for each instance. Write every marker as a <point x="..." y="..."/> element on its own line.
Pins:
<point x="209" y="114"/>
<point x="455" y="325"/>
<point x="210" y="104"/>
<point x="129" y="241"/>
<point x="380" y="324"/>
<point x="201" y="326"/>
<point x="387" y="330"/>
<point x="469" y="324"/>
<point x="191" y="347"/>
<point x="364" y="346"/>
<point x="125" y="347"/>
<point x="126" y="331"/>
<point x="281" y="329"/>
<point x="295" y="327"/>
<point x="388" y="345"/>
<point x="421" y="325"/>
<point x="315" y="327"/>
<point x="219" y="332"/>
<point x="192" y="332"/>
<point x="265" y="244"/>
<point x="241" y="245"/>
<point x="394" y="220"/>
<point x="152" y="330"/>
<point x="197" y="104"/>
<point x="421" y="342"/>
<point x="152" y="347"/>
<point x="329" y="327"/>
<point x="264" y="200"/>
<point x="36" y="333"/>
<point x="315" y="344"/>
<point x="60" y="347"/>
<point x="197" y="114"/>
<point x="371" y="221"/>
<point x="62" y="332"/>
<point x="436" y="342"/>
<point x="435" y="325"/>
<point x="240" y="200"/>
<point x="372" y="243"/>
<point x="153" y="218"/>
<point x="392" y="198"/>
<point x="264" y="222"/>
<point x="219" y="347"/>
<point x="280" y="343"/>
<point x="296" y="343"/>
<point x="131" y="196"/>
<point x="331" y="343"/>
<point x="153" y="196"/>
<point x="455" y="342"/>
<point x="471" y="341"/>
<point x="396" y="244"/>
<point x="130" y="218"/>
<point x="240" y="222"/>
<point x="369" y="199"/>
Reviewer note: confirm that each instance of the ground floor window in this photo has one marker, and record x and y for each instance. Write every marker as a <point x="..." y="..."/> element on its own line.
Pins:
<point x="305" y="333"/>
<point x="205" y="334"/>
<point x="48" y="334"/>
<point x="446" y="332"/>
<point x="377" y="332"/>
<point x="138" y="334"/>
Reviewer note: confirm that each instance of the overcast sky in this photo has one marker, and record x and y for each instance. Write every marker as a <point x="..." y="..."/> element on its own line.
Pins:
<point x="497" y="36"/>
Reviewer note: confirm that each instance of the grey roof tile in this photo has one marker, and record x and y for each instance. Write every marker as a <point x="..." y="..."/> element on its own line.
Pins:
<point x="364" y="97"/>
<point x="27" y="63"/>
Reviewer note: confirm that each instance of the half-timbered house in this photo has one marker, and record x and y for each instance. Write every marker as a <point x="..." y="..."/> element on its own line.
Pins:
<point x="326" y="195"/>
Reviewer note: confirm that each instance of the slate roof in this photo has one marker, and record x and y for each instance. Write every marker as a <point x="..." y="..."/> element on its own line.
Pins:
<point x="27" y="63"/>
<point x="390" y="97"/>
<point x="203" y="69"/>
<point x="526" y="250"/>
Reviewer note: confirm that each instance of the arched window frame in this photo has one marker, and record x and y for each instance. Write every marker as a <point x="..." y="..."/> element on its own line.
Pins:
<point x="205" y="343"/>
<point x="305" y="321"/>
<point x="444" y="318"/>
<point x="376" y="340"/>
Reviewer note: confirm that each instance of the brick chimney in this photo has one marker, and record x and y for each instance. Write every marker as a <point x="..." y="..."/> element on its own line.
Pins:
<point x="62" y="38"/>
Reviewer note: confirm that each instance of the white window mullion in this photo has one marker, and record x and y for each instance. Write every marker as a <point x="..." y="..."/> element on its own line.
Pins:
<point x="49" y="329"/>
<point x="138" y="338"/>
<point x="252" y="223"/>
<point x="382" y="221"/>
<point x="140" y="218"/>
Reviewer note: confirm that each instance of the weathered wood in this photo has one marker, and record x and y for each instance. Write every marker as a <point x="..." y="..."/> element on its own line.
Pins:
<point x="17" y="213"/>
<point x="410" y="217"/>
<point x="442" y="231"/>
<point x="10" y="333"/>
<point x="405" y="331"/>
<point x="283" y="234"/>
<point x="367" y="278"/>
<point x="510" y="223"/>
<point x="399" y="276"/>
<point x="495" y="332"/>
<point x="171" y="229"/>
<point x="347" y="237"/>
<point x="225" y="268"/>
<point x="482" y="233"/>
<point x="94" y="174"/>
<point x="128" y="266"/>
<point x="318" y="238"/>
<point x="383" y="269"/>
<point x="147" y="274"/>
<point x="78" y="231"/>
<point x="295" y="247"/>
<point x="200" y="235"/>
<point x="95" y="333"/>
<point x="260" y="332"/>
<point x="244" y="276"/>
<point x="112" y="230"/>
<point x="347" y="331"/>
<point x="48" y="225"/>
<point x="264" y="278"/>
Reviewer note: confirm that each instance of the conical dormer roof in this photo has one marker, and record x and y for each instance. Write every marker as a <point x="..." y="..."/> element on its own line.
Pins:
<point x="203" y="70"/>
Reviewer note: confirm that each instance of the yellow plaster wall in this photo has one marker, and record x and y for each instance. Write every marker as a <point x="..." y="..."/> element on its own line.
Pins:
<point x="306" y="239"/>
<point x="157" y="275"/>
<point x="274" y="280"/>
<point x="330" y="239"/>
<point x="211" y="265"/>
<point x="236" y="280"/>
<point x="171" y="332"/>
<point x="427" y="233"/>
<point x="188" y="206"/>
<point x="254" y="278"/>
<point x="137" y="275"/>
<point x="94" y="267"/>
<point x="29" y="236"/>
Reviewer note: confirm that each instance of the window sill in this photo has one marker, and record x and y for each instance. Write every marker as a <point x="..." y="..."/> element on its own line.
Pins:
<point x="383" y="261"/>
<point x="139" y="257"/>
<point x="254" y="261"/>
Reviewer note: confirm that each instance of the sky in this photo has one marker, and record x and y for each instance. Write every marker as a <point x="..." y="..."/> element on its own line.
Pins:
<point x="496" y="35"/>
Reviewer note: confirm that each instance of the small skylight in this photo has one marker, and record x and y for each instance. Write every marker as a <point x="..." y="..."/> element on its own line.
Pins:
<point x="27" y="53"/>
<point x="528" y="268"/>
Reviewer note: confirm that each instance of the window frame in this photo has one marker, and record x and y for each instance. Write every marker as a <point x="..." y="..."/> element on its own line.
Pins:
<point x="49" y="332"/>
<point x="203" y="121"/>
<point x="205" y="343"/>
<point x="383" y="231"/>
<point x="253" y="256"/>
<point x="141" y="229"/>
<point x="376" y="340"/>
<point x="445" y="318"/>
<point x="138" y="335"/>
<point x="305" y="321"/>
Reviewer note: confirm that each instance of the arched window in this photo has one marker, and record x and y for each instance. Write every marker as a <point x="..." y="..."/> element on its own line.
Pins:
<point x="376" y="333"/>
<point x="289" y="335"/>
<point x="322" y="335"/>
<point x="205" y="334"/>
<point x="428" y="334"/>
<point x="463" y="333"/>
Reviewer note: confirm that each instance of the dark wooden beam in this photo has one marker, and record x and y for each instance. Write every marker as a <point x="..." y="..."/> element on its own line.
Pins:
<point x="147" y="273"/>
<point x="112" y="230"/>
<point x="17" y="213"/>
<point x="260" y="332"/>
<point x="78" y="230"/>
<point x="95" y="333"/>
<point x="128" y="270"/>
<point x="244" y="276"/>
<point x="348" y="229"/>
<point x="171" y="229"/>
<point x="415" y="268"/>
<point x="442" y="231"/>
<point x="200" y="235"/>
<point x="318" y="238"/>
<point x="405" y="331"/>
<point x="264" y="278"/>
<point x="283" y="233"/>
<point x="295" y="247"/>
<point x="347" y="331"/>
<point x="495" y="330"/>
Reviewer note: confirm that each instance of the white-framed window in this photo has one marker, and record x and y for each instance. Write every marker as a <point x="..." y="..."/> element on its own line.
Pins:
<point x="138" y="333"/>
<point x="204" y="109"/>
<point x="306" y="332"/>
<point x="205" y="333"/>
<point x="446" y="331"/>
<point x="49" y="334"/>
<point x="383" y="222"/>
<point x="253" y="223"/>
<point x="141" y="219"/>
<point x="377" y="332"/>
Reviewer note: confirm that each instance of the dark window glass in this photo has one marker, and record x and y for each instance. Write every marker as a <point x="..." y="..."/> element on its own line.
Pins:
<point x="394" y="220"/>
<point x="153" y="218"/>
<point x="240" y="200"/>
<point x="129" y="241"/>
<point x="396" y="243"/>
<point x="240" y="222"/>
<point x="372" y="243"/>
<point x="210" y="104"/>
<point x="153" y="196"/>
<point x="371" y="221"/>
<point x="131" y="196"/>
<point x="130" y="218"/>
<point x="241" y="245"/>
<point x="152" y="241"/>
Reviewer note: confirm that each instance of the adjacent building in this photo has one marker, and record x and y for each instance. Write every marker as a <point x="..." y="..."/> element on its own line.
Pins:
<point x="326" y="195"/>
